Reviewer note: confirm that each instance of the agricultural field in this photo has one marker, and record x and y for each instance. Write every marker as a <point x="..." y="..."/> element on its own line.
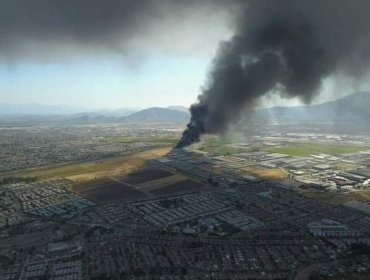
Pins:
<point x="218" y="146"/>
<point x="182" y="186"/>
<point x="307" y="149"/>
<point x="146" y="175"/>
<point x="107" y="190"/>
<point x="137" y="185"/>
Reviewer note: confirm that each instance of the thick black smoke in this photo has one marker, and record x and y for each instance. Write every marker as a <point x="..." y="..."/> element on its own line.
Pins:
<point x="54" y="29"/>
<point x="286" y="47"/>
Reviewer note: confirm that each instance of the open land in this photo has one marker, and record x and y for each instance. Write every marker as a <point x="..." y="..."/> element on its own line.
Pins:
<point x="145" y="176"/>
<point x="265" y="173"/>
<point x="95" y="169"/>
<point x="107" y="190"/>
<point x="338" y="198"/>
<point x="307" y="149"/>
<point x="138" y="185"/>
<point x="182" y="186"/>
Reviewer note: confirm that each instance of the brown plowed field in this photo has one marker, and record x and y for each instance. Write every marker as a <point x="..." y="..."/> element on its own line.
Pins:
<point x="106" y="190"/>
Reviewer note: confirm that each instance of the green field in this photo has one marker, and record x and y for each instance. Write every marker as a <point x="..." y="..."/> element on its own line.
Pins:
<point x="211" y="140"/>
<point x="307" y="149"/>
<point x="216" y="145"/>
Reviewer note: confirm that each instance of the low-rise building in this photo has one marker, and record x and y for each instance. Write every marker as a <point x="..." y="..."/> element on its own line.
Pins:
<point x="327" y="227"/>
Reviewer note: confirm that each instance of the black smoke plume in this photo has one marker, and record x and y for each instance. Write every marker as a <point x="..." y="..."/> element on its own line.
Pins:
<point x="286" y="47"/>
<point x="58" y="29"/>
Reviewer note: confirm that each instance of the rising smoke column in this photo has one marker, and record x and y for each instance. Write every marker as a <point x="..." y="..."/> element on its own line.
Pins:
<point x="285" y="47"/>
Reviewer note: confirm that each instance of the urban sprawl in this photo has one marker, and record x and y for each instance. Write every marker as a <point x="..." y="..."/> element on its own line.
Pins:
<point x="257" y="208"/>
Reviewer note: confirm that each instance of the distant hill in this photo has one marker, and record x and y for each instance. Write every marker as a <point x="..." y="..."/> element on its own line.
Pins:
<point x="352" y="108"/>
<point x="37" y="112"/>
<point x="149" y="115"/>
<point x="103" y="115"/>
<point x="117" y="113"/>
<point x="92" y="117"/>
<point x="156" y="114"/>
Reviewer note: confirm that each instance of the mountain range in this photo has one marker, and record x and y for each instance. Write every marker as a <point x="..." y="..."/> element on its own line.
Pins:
<point x="172" y="114"/>
<point x="158" y="115"/>
<point x="352" y="108"/>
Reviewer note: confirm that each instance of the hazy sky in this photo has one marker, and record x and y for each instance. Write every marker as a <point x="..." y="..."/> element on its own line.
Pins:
<point x="109" y="54"/>
<point x="160" y="80"/>
<point x="114" y="54"/>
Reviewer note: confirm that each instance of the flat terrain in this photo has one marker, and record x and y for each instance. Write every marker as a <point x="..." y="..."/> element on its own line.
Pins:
<point x="106" y="190"/>
<point x="137" y="185"/>
<point x="145" y="176"/>
<point x="182" y="186"/>
<point x="160" y="183"/>
<point x="307" y="149"/>
<point x="340" y="198"/>
<point x="95" y="169"/>
<point x="264" y="173"/>
<point x="345" y="166"/>
<point x="221" y="150"/>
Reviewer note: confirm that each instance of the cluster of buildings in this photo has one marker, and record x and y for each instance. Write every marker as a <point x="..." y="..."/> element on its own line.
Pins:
<point x="269" y="232"/>
<point x="28" y="146"/>
<point x="253" y="162"/>
<point x="58" y="261"/>
<point x="171" y="211"/>
<point x="197" y="214"/>
<point x="327" y="227"/>
<point x="9" y="214"/>
<point x="61" y="261"/>
<point x="240" y="220"/>
<point x="48" y="198"/>
<point x="239" y="226"/>
<point x="201" y="258"/>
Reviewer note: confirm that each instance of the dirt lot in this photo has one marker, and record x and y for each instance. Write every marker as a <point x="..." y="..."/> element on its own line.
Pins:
<point x="264" y="173"/>
<point x="344" y="166"/>
<point x="182" y="186"/>
<point x="145" y="176"/>
<point x="106" y="190"/>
